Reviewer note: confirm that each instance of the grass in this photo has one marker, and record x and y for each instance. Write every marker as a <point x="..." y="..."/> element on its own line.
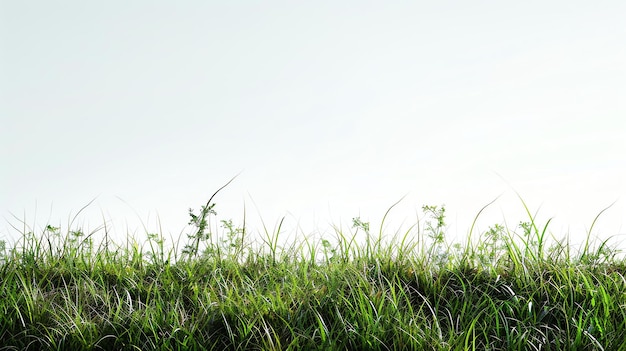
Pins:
<point x="505" y="289"/>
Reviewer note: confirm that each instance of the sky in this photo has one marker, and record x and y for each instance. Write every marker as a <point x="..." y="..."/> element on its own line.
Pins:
<point x="327" y="110"/>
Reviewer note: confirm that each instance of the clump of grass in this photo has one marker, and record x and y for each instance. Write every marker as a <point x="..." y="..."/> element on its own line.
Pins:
<point x="506" y="290"/>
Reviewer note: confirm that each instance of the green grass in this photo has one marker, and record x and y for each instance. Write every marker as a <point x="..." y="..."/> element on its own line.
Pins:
<point x="505" y="289"/>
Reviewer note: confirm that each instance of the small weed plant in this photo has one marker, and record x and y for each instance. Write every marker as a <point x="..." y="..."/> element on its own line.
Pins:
<point x="505" y="289"/>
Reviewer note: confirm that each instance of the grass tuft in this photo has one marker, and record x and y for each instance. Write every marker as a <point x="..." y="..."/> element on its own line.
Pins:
<point x="504" y="289"/>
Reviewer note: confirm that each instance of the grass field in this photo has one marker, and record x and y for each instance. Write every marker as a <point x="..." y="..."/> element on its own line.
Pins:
<point x="360" y="289"/>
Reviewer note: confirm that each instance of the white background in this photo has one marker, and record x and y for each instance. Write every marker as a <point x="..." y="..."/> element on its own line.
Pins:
<point x="330" y="109"/>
